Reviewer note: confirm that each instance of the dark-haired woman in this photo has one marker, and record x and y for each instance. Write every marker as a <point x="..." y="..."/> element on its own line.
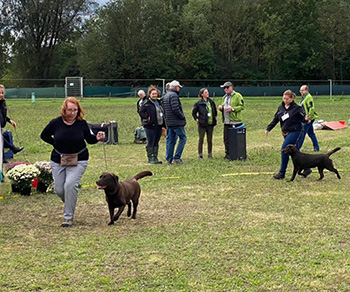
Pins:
<point x="290" y="116"/>
<point x="204" y="113"/>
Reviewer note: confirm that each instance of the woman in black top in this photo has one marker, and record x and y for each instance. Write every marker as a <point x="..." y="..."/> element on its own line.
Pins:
<point x="152" y="117"/>
<point x="204" y="113"/>
<point x="67" y="134"/>
<point x="290" y="116"/>
<point x="5" y="119"/>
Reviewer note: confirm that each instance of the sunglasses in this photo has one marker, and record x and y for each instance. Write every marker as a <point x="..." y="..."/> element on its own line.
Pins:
<point x="226" y="87"/>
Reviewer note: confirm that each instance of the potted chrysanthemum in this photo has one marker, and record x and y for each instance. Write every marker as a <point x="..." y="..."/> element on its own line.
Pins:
<point x="45" y="177"/>
<point x="22" y="176"/>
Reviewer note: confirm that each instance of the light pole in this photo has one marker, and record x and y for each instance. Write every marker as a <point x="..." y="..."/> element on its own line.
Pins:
<point x="163" y="84"/>
<point x="330" y="88"/>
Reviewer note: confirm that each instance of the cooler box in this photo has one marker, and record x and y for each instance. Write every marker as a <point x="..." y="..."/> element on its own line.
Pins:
<point x="110" y="129"/>
<point x="237" y="143"/>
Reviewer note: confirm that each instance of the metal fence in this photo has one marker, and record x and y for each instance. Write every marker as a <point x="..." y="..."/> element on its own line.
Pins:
<point x="25" y="88"/>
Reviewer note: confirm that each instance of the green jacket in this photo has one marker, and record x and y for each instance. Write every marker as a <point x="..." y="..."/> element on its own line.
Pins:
<point x="307" y="102"/>
<point x="237" y="103"/>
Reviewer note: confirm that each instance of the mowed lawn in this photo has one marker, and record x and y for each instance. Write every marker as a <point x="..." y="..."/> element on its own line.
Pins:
<point x="209" y="225"/>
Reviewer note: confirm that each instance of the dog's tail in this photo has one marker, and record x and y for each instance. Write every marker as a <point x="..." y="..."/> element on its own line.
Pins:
<point x="333" y="151"/>
<point x="142" y="174"/>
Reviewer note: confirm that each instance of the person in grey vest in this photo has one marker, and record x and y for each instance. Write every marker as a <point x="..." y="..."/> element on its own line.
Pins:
<point x="176" y="121"/>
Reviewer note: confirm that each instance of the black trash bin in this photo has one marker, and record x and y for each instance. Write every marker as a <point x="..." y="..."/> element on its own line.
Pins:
<point x="237" y="143"/>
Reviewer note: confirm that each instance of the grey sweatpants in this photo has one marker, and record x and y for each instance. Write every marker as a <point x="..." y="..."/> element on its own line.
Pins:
<point x="66" y="180"/>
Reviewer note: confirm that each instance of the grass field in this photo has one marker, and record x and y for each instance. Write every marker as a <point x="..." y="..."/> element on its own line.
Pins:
<point x="209" y="225"/>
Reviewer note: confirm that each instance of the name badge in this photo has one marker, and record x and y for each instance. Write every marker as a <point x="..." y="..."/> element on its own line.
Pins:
<point x="209" y="114"/>
<point x="285" y="116"/>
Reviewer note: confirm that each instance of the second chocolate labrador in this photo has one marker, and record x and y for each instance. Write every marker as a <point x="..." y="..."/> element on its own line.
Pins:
<point x="304" y="161"/>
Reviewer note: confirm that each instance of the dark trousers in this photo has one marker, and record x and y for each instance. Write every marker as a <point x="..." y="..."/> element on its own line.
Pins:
<point x="201" y="132"/>
<point x="153" y="136"/>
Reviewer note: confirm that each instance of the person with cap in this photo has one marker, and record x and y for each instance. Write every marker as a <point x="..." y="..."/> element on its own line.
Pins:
<point x="231" y="108"/>
<point x="175" y="121"/>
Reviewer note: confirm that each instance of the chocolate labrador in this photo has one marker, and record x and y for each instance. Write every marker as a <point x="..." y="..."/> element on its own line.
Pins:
<point x="303" y="161"/>
<point x="121" y="193"/>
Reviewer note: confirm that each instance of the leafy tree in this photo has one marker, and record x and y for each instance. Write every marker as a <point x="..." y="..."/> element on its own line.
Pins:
<point x="39" y="26"/>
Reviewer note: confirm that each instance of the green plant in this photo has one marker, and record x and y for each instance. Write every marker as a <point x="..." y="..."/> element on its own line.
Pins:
<point x="22" y="175"/>
<point x="45" y="175"/>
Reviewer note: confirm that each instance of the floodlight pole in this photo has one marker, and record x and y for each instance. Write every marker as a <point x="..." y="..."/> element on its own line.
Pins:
<point x="163" y="91"/>
<point x="330" y="88"/>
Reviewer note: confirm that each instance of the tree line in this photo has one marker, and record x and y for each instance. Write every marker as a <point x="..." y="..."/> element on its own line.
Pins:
<point x="184" y="39"/>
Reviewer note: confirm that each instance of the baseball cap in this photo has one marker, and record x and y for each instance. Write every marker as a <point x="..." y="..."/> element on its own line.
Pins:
<point x="174" y="83"/>
<point x="226" y="84"/>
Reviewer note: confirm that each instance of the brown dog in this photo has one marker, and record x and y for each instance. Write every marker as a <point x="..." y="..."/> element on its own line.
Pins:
<point x="304" y="161"/>
<point x="120" y="194"/>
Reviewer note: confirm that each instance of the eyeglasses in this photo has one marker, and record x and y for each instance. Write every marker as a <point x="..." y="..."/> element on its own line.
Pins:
<point x="226" y="87"/>
<point x="72" y="110"/>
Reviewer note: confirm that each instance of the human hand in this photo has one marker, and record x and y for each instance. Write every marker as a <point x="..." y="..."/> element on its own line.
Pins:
<point x="220" y="107"/>
<point x="229" y="109"/>
<point x="101" y="136"/>
<point x="13" y="124"/>
<point x="267" y="132"/>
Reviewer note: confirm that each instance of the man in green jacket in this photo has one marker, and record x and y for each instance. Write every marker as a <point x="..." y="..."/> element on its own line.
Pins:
<point x="231" y="108"/>
<point x="307" y="102"/>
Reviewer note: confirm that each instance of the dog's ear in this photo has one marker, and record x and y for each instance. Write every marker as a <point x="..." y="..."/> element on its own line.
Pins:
<point x="115" y="177"/>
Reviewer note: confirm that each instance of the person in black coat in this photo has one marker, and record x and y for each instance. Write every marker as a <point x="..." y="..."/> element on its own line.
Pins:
<point x="290" y="116"/>
<point x="204" y="113"/>
<point x="152" y="118"/>
<point x="5" y="119"/>
<point x="176" y="121"/>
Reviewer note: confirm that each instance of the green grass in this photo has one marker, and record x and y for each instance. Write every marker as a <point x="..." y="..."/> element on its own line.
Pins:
<point x="208" y="225"/>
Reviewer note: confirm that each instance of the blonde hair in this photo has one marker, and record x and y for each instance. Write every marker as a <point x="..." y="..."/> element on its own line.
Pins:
<point x="151" y="88"/>
<point x="80" y="113"/>
<point x="290" y="93"/>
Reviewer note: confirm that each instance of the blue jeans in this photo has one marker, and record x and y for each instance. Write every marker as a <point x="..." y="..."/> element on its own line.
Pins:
<point x="172" y="134"/>
<point x="291" y="138"/>
<point x="309" y="129"/>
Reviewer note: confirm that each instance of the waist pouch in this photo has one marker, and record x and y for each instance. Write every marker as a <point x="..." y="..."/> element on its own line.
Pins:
<point x="69" y="159"/>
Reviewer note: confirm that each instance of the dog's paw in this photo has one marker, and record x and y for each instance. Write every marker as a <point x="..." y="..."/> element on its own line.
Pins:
<point x="111" y="223"/>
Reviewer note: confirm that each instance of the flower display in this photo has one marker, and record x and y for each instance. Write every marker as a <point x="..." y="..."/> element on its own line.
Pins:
<point x="11" y="165"/>
<point x="22" y="175"/>
<point x="45" y="175"/>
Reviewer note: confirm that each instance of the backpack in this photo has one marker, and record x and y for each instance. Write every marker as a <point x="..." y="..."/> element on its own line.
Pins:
<point x="140" y="136"/>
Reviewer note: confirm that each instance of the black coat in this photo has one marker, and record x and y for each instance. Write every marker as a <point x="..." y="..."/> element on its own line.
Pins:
<point x="174" y="114"/>
<point x="148" y="114"/>
<point x="200" y="112"/>
<point x="290" y="119"/>
<point x="3" y="113"/>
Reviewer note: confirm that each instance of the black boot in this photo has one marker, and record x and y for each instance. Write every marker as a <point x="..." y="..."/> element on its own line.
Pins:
<point x="279" y="175"/>
<point x="155" y="155"/>
<point x="149" y="151"/>
<point x="16" y="149"/>
<point x="306" y="172"/>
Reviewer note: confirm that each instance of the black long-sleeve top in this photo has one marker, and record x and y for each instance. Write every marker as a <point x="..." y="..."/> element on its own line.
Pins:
<point x="68" y="139"/>
<point x="290" y="119"/>
<point x="3" y="113"/>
